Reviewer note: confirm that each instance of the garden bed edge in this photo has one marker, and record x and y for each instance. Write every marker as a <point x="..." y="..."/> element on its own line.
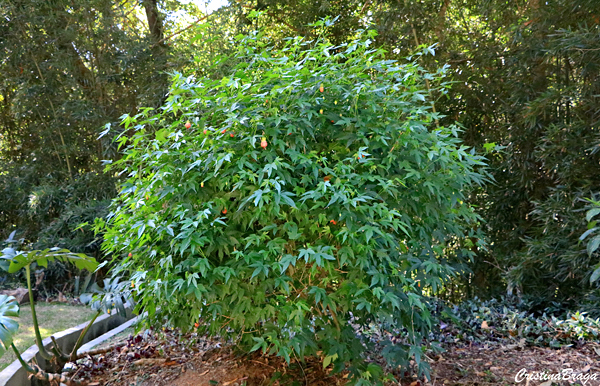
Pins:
<point x="16" y="375"/>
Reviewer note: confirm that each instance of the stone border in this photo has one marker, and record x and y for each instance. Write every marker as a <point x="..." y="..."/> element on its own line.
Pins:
<point x="15" y="375"/>
<point x="93" y="343"/>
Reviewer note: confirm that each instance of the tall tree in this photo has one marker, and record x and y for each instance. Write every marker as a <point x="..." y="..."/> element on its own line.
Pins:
<point x="69" y="68"/>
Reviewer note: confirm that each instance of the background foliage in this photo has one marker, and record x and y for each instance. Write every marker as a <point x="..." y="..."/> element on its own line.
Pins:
<point x="525" y="85"/>
<point x="84" y="65"/>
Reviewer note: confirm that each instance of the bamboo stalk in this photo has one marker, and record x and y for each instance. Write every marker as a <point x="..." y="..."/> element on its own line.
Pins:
<point x="62" y="139"/>
<point x="437" y="124"/>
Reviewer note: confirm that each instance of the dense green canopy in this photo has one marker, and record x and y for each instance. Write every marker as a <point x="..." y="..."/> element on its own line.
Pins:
<point x="307" y="192"/>
<point x="525" y="85"/>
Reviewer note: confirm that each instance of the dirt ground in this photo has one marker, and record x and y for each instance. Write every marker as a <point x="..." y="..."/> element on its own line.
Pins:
<point x="499" y="365"/>
<point x="191" y="360"/>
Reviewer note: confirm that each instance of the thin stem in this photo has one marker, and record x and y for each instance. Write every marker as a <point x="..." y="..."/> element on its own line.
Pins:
<point x="335" y="320"/>
<point x="57" y="351"/>
<point x="181" y="30"/>
<point x="301" y="368"/>
<point x="79" y="342"/>
<point x="23" y="363"/>
<point x="99" y="351"/>
<point x="38" y="336"/>
<point x="52" y="140"/>
<point x="62" y="140"/>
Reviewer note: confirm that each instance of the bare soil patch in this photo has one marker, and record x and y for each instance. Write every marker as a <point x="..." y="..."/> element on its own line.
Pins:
<point x="174" y="359"/>
<point x="498" y="365"/>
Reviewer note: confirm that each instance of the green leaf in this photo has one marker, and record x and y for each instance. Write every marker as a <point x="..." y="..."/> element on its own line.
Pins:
<point x="260" y="342"/>
<point x="593" y="244"/>
<point x="595" y="275"/>
<point x="328" y="359"/>
<point x="489" y="146"/>
<point x="286" y="197"/>
<point x="8" y="327"/>
<point x="587" y="233"/>
<point x="114" y="295"/>
<point x="292" y="230"/>
<point x="19" y="260"/>
<point x="286" y="260"/>
<point x="591" y="213"/>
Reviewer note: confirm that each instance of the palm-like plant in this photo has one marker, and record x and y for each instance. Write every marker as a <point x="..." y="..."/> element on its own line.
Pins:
<point x="114" y="295"/>
<point x="8" y="327"/>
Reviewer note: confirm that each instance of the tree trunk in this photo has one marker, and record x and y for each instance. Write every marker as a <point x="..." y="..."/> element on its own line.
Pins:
<point x="154" y="20"/>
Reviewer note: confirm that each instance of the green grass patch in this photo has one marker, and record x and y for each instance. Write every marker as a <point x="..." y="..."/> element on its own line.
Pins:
<point x="52" y="318"/>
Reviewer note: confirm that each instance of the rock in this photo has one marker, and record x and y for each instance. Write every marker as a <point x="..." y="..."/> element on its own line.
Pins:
<point x="21" y="294"/>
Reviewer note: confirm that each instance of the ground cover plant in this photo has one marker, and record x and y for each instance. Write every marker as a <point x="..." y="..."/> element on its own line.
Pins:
<point x="308" y="194"/>
<point x="509" y="321"/>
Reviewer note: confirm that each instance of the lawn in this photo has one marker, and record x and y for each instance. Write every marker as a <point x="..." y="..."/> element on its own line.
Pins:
<point x="52" y="318"/>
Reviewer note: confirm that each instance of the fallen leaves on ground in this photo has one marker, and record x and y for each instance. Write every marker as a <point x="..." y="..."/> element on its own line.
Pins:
<point x="174" y="359"/>
<point x="499" y="364"/>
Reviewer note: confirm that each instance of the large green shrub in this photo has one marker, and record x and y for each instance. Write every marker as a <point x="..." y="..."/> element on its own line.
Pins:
<point x="311" y="194"/>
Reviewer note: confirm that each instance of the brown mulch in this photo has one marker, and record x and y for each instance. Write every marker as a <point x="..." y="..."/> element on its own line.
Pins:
<point x="499" y="364"/>
<point x="172" y="359"/>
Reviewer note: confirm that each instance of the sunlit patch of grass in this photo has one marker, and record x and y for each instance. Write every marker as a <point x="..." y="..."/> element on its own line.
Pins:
<point x="52" y="318"/>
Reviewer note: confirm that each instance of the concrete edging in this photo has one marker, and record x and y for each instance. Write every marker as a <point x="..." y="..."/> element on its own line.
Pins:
<point x="15" y="374"/>
<point x="93" y="343"/>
